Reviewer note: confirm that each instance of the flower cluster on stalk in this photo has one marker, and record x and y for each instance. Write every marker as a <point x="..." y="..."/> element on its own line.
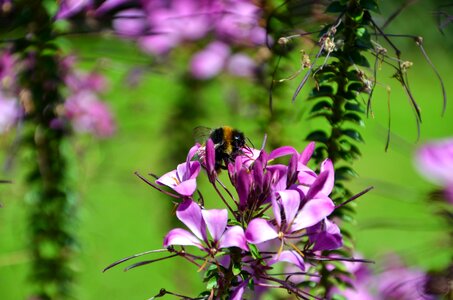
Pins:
<point x="159" y="27"/>
<point x="277" y="216"/>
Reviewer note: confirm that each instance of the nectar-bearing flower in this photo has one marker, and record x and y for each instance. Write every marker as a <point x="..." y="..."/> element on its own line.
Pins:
<point x="183" y="180"/>
<point x="272" y="213"/>
<point x="198" y="220"/>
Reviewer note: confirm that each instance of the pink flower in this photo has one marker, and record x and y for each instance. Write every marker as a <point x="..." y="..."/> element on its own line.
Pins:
<point x="241" y="65"/>
<point x="89" y="114"/>
<point x="435" y="162"/>
<point x="130" y="23"/>
<point x="198" y="220"/>
<point x="210" y="61"/>
<point x="9" y="113"/>
<point x="69" y="8"/>
<point x="183" y="179"/>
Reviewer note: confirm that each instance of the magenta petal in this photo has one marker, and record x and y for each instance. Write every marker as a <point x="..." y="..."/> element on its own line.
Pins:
<point x="313" y="212"/>
<point x="290" y="256"/>
<point x="327" y="166"/>
<point x="190" y="214"/>
<point x="169" y="179"/>
<point x="234" y="237"/>
<point x="186" y="188"/>
<point x="318" y="185"/>
<point x="239" y="291"/>
<point x="109" y="5"/>
<point x="216" y="221"/>
<point x="435" y="161"/>
<point x="282" y="151"/>
<point x="243" y="187"/>
<point x="181" y="237"/>
<point x="277" y="211"/>
<point x="290" y="200"/>
<point x="305" y="156"/>
<point x="259" y="230"/>
<point x="306" y="175"/>
<point x="325" y="235"/>
<point x="210" y="157"/>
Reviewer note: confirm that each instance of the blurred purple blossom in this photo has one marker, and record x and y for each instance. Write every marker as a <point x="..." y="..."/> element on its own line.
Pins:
<point x="435" y="162"/>
<point x="401" y="282"/>
<point x="7" y="71"/>
<point x="159" y="26"/>
<point x="396" y="282"/>
<point x="9" y="112"/>
<point x="210" y="61"/>
<point x="241" y="65"/>
<point x="89" y="114"/>
<point x="69" y="8"/>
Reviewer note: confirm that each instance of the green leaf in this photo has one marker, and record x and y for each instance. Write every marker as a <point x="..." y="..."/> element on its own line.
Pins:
<point x="353" y="134"/>
<point x="254" y="251"/>
<point x="212" y="283"/>
<point x="317" y="136"/>
<point x="345" y="173"/>
<point x="335" y="7"/>
<point x="354" y="107"/>
<point x="370" y="5"/>
<point x="323" y="90"/>
<point x="236" y="269"/>
<point x="355" y="151"/>
<point x="355" y="86"/>
<point x="321" y="106"/>
<point x="359" y="59"/>
<point x="354" y="118"/>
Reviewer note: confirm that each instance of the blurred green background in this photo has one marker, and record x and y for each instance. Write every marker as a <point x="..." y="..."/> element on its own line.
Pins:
<point x="120" y="215"/>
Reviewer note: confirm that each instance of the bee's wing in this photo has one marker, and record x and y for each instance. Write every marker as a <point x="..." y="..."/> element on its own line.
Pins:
<point x="201" y="134"/>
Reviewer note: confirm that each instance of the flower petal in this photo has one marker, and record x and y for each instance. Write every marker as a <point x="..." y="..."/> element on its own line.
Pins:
<point x="234" y="237"/>
<point x="282" y="151"/>
<point x="318" y="185"/>
<point x="290" y="256"/>
<point x="169" y="179"/>
<point x="243" y="187"/>
<point x="179" y="236"/>
<point x="186" y="188"/>
<point x="327" y="166"/>
<point x="290" y="200"/>
<point x="259" y="230"/>
<point x="305" y="156"/>
<point x="210" y="160"/>
<point x="313" y="212"/>
<point x="216" y="221"/>
<point x="189" y="213"/>
<point x="325" y="235"/>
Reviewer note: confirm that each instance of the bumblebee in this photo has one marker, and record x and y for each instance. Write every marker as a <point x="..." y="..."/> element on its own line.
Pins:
<point x="228" y="143"/>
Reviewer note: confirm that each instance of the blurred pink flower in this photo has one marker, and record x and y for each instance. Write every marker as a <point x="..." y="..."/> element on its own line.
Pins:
<point x="69" y="8"/>
<point x="238" y="21"/>
<point x="89" y="114"/>
<point x="435" y="162"/>
<point x="241" y="65"/>
<point x="130" y="23"/>
<point x="7" y="74"/>
<point x="210" y="61"/>
<point x="9" y="113"/>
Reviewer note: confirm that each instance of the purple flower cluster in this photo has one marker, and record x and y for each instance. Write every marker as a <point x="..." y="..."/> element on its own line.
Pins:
<point x="435" y="162"/>
<point x="83" y="108"/>
<point x="10" y="111"/>
<point x="396" y="281"/>
<point x="278" y="212"/>
<point x="160" y="26"/>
